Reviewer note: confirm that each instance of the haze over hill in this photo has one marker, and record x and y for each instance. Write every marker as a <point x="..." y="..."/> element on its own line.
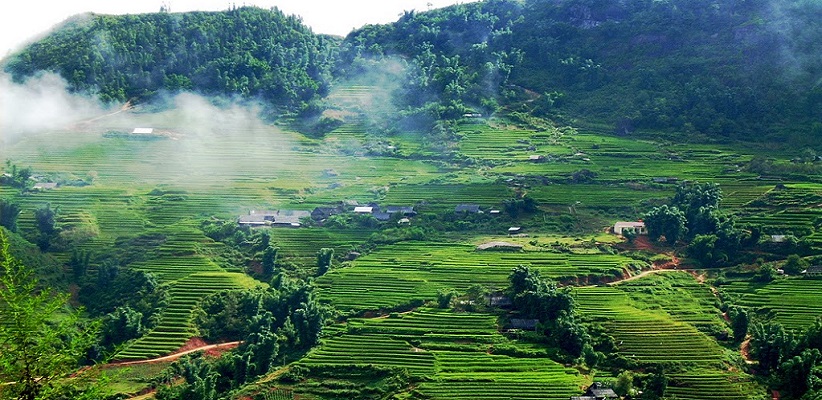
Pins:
<point x="709" y="69"/>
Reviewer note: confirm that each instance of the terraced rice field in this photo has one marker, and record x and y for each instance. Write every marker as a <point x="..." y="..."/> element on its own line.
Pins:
<point x="792" y="302"/>
<point x="665" y="332"/>
<point x="397" y="275"/>
<point x="415" y="342"/>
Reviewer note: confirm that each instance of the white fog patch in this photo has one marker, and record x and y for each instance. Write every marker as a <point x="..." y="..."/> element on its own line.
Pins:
<point x="39" y="104"/>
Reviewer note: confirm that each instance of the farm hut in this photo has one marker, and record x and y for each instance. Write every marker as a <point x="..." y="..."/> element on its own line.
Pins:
<point x="500" y="301"/>
<point x="381" y="216"/>
<point x="536" y="158"/>
<point x="525" y="324"/>
<point x="637" y="226"/>
<point x="363" y="210"/>
<point x="778" y="238"/>
<point x="142" y="131"/>
<point x="254" y="220"/>
<point x="514" y="230"/>
<point x="599" y="391"/>
<point x="815" y="270"/>
<point x="494" y="212"/>
<point x="467" y="208"/>
<point x="352" y="255"/>
<point x="321" y="213"/>
<point x="290" y="218"/>
<point x="44" y="186"/>
<point x="407" y="211"/>
<point x="404" y="221"/>
<point x="500" y="246"/>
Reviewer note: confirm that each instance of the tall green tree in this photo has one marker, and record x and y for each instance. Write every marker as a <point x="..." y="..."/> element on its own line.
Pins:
<point x="666" y="221"/>
<point x="9" y="211"/>
<point x="41" y="340"/>
<point x="324" y="257"/>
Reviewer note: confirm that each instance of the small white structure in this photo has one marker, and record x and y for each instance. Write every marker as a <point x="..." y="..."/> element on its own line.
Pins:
<point x="637" y="226"/>
<point x="514" y="229"/>
<point x="142" y="131"/>
<point x="44" y="186"/>
<point x="778" y="238"/>
<point x="363" y="210"/>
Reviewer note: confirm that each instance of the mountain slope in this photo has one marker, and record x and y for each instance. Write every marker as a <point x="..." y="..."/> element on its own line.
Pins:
<point x="246" y="51"/>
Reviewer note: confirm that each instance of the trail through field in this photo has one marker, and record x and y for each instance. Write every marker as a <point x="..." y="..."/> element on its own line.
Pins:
<point x="172" y="357"/>
<point x="642" y="242"/>
<point x="745" y="350"/>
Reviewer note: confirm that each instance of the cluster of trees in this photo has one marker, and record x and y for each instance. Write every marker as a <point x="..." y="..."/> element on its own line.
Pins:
<point x="534" y="297"/>
<point x="247" y="52"/>
<point x="276" y="325"/>
<point x="693" y="215"/>
<point x="459" y="57"/>
<point x="791" y="361"/>
<point x="16" y="177"/>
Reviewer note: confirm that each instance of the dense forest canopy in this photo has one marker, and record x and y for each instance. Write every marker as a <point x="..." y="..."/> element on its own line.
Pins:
<point x="248" y="52"/>
<point x="706" y="68"/>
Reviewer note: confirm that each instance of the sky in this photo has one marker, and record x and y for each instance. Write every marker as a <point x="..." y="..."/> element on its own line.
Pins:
<point x="25" y="20"/>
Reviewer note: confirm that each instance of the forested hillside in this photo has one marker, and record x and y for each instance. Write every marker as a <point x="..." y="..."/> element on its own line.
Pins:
<point x="716" y="69"/>
<point x="724" y="69"/>
<point x="248" y="52"/>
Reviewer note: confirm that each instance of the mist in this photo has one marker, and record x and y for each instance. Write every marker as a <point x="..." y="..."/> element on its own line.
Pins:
<point x="42" y="103"/>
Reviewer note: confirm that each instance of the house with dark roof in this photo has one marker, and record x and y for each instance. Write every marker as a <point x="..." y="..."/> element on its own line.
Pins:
<point x="321" y="213"/>
<point x="381" y="216"/>
<point x="597" y="391"/>
<point x="467" y="208"/>
<point x="525" y="324"/>
<point x="815" y="270"/>
<point x="407" y="211"/>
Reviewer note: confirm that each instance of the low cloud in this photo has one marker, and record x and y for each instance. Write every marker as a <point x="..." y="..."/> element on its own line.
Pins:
<point x="41" y="103"/>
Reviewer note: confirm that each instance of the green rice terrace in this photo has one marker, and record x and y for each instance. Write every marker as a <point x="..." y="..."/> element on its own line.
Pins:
<point x="148" y="201"/>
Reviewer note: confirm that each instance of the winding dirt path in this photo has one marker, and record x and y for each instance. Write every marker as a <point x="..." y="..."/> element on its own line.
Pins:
<point x="175" y="356"/>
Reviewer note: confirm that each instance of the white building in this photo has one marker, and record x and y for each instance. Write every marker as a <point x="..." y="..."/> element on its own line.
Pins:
<point x="637" y="226"/>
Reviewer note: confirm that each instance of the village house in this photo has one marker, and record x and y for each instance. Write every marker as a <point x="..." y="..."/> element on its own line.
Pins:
<point x="597" y="391"/>
<point x="514" y="230"/>
<point x="321" y="213"/>
<point x="281" y="218"/>
<point x="536" y="158"/>
<point x="815" y="270"/>
<point x="363" y="210"/>
<point x="524" y="324"/>
<point x="499" y="300"/>
<point x="407" y="211"/>
<point x="44" y="186"/>
<point x="637" y="227"/>
<point x="290" y="218"/>
<point x="467" y="208"/>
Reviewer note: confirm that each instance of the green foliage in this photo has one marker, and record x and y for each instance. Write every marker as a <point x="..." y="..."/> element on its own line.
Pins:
<point x="445" y="297"/>
<point x="41" y="340"/>
<point x="269" y="260"/>
<point x="794" y="265"/>
<point x="16" y="177"/>
<point x="324" y="258"/>
<point x="740" y="321"/>
<point x="250" y="52"/>
<point x="9" y="211"/>
<point x="666" y="221"/>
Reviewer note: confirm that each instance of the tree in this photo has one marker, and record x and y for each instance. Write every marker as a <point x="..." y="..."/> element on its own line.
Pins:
<point x="666" y="221"/>
<point x="445" y="296"/>
<point x="46" y="219"/>
<point x="324" y="257"/>
<point x="269" y="260"/>
<point x="739" y="322"/>
<point x="9" y="211"/>
<point x="41" y="341"/>
<point x="794" y="265"/>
